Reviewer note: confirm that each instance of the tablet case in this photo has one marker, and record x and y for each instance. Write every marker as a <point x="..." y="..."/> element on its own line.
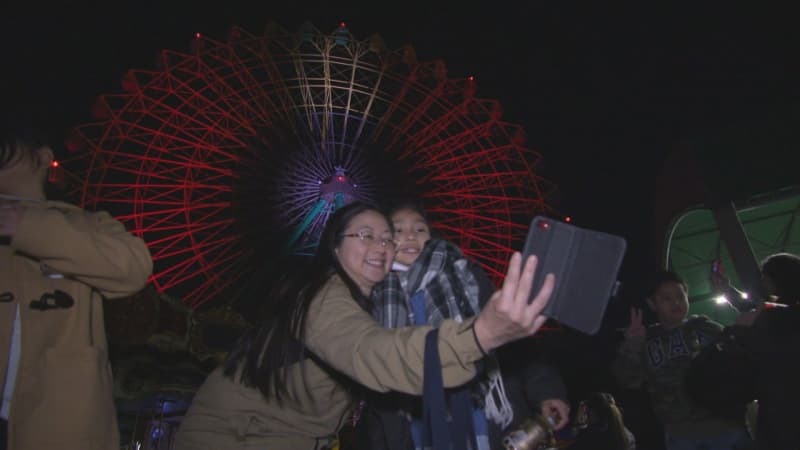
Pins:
<point x="585" y="264"/>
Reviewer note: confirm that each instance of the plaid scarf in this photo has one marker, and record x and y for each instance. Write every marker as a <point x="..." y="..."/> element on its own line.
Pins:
<point x="442" y="274"/>
<point x="451" y="291"/>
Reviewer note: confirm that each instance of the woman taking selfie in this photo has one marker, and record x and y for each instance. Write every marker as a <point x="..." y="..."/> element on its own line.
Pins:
<point x="288" y="384"/>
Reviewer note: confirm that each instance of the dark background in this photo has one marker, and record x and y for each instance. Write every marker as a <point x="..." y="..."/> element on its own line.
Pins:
<point x="604" y="92"/>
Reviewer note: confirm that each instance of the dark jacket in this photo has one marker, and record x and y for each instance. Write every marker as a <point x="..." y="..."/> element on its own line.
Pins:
<point x="776" y="345"/>
<point x="528" y="381"/>
<point x="759" y="362"/>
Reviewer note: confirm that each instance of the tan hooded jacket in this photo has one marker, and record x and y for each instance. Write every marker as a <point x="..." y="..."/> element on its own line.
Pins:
<point x="63" y="391"/>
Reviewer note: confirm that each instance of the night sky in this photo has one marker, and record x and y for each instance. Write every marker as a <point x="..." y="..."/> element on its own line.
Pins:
<point x="603" y="92"/>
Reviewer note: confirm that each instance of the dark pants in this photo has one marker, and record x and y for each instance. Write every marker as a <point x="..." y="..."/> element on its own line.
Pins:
<point x="3" y="434"/>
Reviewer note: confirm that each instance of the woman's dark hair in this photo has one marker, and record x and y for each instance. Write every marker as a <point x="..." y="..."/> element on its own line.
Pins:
<point x="263" y="354"/>
<point x="605" y="414"/>
<point x="784" y="271"/>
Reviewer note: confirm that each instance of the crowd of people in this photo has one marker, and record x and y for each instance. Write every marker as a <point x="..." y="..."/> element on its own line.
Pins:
<point x="353" y="338"/>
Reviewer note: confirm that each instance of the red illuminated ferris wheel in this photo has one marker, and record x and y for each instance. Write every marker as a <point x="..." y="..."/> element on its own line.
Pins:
<point x="221" y="155"/>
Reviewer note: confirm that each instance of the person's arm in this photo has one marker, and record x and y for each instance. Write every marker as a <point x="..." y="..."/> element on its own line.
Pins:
<point x="340" y="333"/>
<point x="93" y="248"/>
<point x="628" y="367"/>
<point x="706" y="326"/>
<point x="347" y="338"/>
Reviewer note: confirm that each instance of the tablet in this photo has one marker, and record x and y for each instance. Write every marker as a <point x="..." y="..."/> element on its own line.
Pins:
<point x="585" y="263"/>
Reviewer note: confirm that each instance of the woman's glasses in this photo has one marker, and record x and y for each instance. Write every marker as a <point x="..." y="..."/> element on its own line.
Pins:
<point x="370" y="239"/>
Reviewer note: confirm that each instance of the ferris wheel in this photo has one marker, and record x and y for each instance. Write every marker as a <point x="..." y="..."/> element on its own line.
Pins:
<point x="241" y="148"/>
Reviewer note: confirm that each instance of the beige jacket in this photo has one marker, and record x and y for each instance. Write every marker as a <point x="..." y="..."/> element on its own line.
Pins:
<point x="227" y="415"/>
<point x="63" y="391"/>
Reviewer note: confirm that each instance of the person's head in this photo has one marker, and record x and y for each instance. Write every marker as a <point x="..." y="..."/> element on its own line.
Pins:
<point x="596" y="408"/>
<point x="355" y="244"/>
<point x="411" y="230"/>
<point x="358" y="242"/>
<point x="669" y="299"/>
<point x="599" y="411"/>
<point x="24" y="162"/>
<point x="780" y="275"/>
